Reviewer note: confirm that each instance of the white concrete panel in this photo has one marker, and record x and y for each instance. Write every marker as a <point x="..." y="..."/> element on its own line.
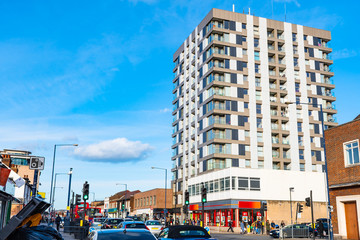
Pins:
<point x="317" y="142"/>
<point x="289" y="60"/>
<point x="234" y="149"/>
<point x="240" y="79"/>
<point x="241" y="135"/>
<point x="310" y="40"/>
<point x="232" y="64"/>
<point x="265" y="93"/>
<point x="233" y="91"/>
<point x="242" y="163"/>
<point x="239" y="52"/>
<point x="240" y="106"/>
<point x="234" y="120"/>
<point x="238" y="26"/>
<point x="304" y="99"/>
<point x="232" y="38"/>
<point x="312" y="64"/>
<point x="317" y="78"/>
<point x="252" y="99"/>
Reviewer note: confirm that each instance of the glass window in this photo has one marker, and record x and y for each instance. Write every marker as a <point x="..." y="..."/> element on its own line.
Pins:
<point x="257" y="82"/>
<point x="258" y="122"/>
<point x="301" y="154"/>
<point x="257" y="55"/>
<point x="255" y="184"/>
<point x="299" y="126"/>
<point x="211" y="186"/>
<point x="227" y="183"/>
<point x="351" y="150"/>
<point x="257" y="68"/>
<point x="243" y="26"/>
<point x="258" y="108"/>
<point x="256" y="42"/>
<point x="243" y="183"/>
<point x="258" y="95"/>
<point x="233" y="183"/>
<point x="259" y="136"/>
<point x="302" y="167"/>
<point x="260" y="164"/>
<point x="260" y="151"/>
<point x="247" y="163"/>
<point x="222" y="184"/>
<point x="216" y="185"/>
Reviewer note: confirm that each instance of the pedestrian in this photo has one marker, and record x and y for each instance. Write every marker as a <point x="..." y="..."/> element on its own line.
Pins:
<point x="267" y="227"/>
<point x="272" y="225"/>
<point x="320" y="229"/>
<point x="230" y="226"/>
<point x="57" y="222"/>
<point x="253" y="227"/>
<point x="282" y="224"/>
<point x="258" y="227"/>
<point x="242" y="226"/>
<point x="177" y="222"/>
<point x="198" y="222"/>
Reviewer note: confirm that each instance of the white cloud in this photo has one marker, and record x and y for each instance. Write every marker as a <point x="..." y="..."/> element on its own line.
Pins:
<point x="344" y="53"/>
<point x="165" y="110"/>
<point x="289" y="1"/>
<point x="114" y="151"/>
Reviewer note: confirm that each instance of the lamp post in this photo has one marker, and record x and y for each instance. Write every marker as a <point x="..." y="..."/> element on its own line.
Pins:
<point x="165" y="210"/>
<point x="124" y="195"/>
<point x="68" y="200"/>
<point x="326" y="168"/>
<point x="291" y="189"/>
<point x="53" y="167"/>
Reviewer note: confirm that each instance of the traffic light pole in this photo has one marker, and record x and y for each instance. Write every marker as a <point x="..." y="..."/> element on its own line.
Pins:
<point x="297" y="210"/>
<point x="312" y="215"/>
<point x="202" y="214"/>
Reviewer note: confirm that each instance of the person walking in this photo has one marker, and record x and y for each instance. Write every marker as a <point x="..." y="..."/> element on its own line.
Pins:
<point x="282" y="224"/>
<point x="258" y="227"/>
<point x="242" y="226"/>
<point x="267" y="227"/>
<point x="230" y="223"/>
<point x="57" y="222"/>
<point x="320" y="229"/>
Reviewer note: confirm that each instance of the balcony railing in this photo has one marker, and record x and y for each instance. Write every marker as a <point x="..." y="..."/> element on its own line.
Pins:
<point x="284" y="127"/>
<point x="273" y="112"/>
<point x="275" y="140"/>
<point x="272" y="73"/>
<point x="286" y="141"/>
<point x="275" y="154"/>
<point x="272" y="85"/>
<point x="274" y="126"/>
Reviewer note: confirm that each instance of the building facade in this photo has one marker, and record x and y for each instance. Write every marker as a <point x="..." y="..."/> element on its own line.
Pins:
<point x="342" y="149"/>
<point x="113" y="205"/>
<point x="234" y="131"/>
<point x="151" y="204"/>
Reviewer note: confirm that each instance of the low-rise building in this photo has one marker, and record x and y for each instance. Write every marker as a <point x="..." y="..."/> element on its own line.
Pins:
<point x="115" y="204"/>
<point x="151" y="204"/>
<point x="342" y="149"/>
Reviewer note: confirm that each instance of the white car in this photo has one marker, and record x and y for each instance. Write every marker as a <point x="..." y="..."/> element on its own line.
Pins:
<point x="154" y="226"/>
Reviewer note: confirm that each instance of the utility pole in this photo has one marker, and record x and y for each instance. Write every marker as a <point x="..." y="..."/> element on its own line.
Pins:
<point x="312" y="215"/>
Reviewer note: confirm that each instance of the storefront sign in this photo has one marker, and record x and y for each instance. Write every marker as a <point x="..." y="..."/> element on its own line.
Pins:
<point x="193" y="207"/>
<point x="245" y="213"/>
<point x="258" y="214"/>
<point x="245" y="218"/>
<point x="112" y="210"/>
<point x="251" y="205"/>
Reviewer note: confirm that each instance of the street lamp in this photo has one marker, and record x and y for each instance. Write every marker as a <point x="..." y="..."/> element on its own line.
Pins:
<point x="53" y="167"/>
<point x="68" y="200"/>
<point x="165" y="210"/>
<point x="93" y="193"/>
<point x="124" y="195"/>
<point x="326" y="168"/>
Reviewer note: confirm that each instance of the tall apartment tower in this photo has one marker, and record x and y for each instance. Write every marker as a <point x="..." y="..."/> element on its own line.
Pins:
<point x="247" y="123"/>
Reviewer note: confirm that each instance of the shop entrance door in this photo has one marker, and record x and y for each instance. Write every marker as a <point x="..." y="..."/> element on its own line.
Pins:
<point x="351" y="221"/>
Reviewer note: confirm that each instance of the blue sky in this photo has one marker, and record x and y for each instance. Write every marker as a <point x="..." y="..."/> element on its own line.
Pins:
<point x="99" y="73"/>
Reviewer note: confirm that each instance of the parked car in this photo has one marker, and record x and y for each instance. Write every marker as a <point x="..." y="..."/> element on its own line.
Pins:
<point x="297" y="231"/>
<point x="132" y="225"/>
<point x="111" y="223"/>
<point x="96" y="224"/>
<point x="187" y="232"/>
<point x="154" y="226"/>
<point x="119" y="234"/>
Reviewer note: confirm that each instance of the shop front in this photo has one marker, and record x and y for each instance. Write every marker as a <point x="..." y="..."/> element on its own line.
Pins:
<point x="219" y="213"/>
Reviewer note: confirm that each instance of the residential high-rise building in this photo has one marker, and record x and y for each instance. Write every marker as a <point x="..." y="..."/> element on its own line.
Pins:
<point x="247" y="122"/>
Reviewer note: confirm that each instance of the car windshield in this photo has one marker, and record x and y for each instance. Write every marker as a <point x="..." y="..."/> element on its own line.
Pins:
<point x="153" y="223"/>
<point x="135" y="225"/>
<point x="199" y="233"/>
<point x="114" y="221"/>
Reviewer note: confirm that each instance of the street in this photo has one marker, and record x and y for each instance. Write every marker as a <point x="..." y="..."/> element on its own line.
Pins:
<point x="225" y="236"/>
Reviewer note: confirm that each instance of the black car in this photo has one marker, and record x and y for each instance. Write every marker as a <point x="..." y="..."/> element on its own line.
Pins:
<point x="275" y="233"/>
<point x="188" y="232"/>
<point x="111" y="223"/>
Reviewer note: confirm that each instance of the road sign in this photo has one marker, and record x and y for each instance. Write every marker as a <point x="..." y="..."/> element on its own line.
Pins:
<point x="37" y="163"/>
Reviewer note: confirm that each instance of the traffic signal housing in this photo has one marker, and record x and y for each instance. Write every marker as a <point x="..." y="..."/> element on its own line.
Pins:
<point x="77" y="199"/>
<point x="307" y="202"/>
<point x="203" y="195"/>
<point x="300" y="208"/>
<point x="123" y="205"/>
<point x="264" y="206"/>
<point x="187" y="196"/>
<point x="86" y="191"/>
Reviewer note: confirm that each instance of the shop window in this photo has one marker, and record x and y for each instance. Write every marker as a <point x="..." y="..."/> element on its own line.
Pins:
<point x="216" y="185"/>
<point x="227" y="183"/>
<point x="233" y="183"/>
<point x="222" y="184"/>
<point x="243" y="183"/>
<point x="255" y="184"/>
<point x="211" y="186"/>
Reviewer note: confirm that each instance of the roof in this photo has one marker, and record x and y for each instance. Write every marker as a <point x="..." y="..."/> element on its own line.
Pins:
<point x="123" y="195"/>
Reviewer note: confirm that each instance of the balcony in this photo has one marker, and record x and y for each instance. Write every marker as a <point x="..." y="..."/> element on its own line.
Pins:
<point x="274" y="126"/>
<point x="284" y="127"/>
<point x="284" y="114"/>
<point x="283" y="87"/>
<point x="272" y="86"/>
<point x="280" y="36"/>
<point x="273" y="99"/>
<point x="281" y="49"/>
<point x="273" y="112"/>
<point x="272" y="73"/>
<point x="282" y="74"/>
<point x="275" y="140"/>
<point x="271" y="47"/>
<point x="286" y="141"/>
<point x="275" y="154"/>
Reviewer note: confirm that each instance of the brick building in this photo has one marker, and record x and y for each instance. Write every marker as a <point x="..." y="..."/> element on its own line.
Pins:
<point x="342" y="149"/>
<point x="151" y="204"/>
<point x="115" y="201"/>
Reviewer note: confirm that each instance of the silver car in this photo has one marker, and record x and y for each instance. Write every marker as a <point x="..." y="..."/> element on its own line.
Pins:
<point x="154" y="226"/>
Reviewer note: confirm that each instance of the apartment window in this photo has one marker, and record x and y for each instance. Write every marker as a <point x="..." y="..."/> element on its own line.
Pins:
<point x="151" y="200"/>
<point x="297" y="100"/>
<point x="246" y="105"/>
<point x="154" y="200"/>
<point x="244" y="52"/>
<point x="302" y="167"/>
<point x="222" y="184"/>
<point x="260" y="151"/>
<point x="258" y="122"/>
<point x="257" y="68"/>
<point x="296" y="63"/>
<point x="247" y="163"/>
<point x="233" y="183"/>
<point x="301" y="154"/>
<point x="243" y="26"/>
<point x="297" y="87"/>
<point x="301" y="140"/>
<point x="227" y="183"/>
<point x="243" y="183"/>
<point x="256" y="42"/>
<point x="259" y="136"/>
<point x="255" y="184"/>
<point x="258" y="108"/>
<point x="257" y="82"/>
<point x="256" y="30"/>
<point x="258" y="95"/>
<point x="257" y="55"/>
<point x="261" y="164"/>
<point x="294" y="37"/>
<point x="299" y="127"/>
<point x="351" y="151"/>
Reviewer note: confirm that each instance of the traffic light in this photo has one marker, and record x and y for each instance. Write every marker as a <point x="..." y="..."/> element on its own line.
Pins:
<point x="77" y="199"/>
<point x="307" y="200"/>
<point x="185" y="209"/>
<point x="300" y="208"/>
<point x="86" y="191"/>
<point x="123" y="205"/>
<point x="203" y="195"/>
<point x="264" y="206"/>
<point x="187" y="196"/>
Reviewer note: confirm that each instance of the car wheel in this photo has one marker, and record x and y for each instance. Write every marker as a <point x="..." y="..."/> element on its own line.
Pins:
<point x="311" y="235"/>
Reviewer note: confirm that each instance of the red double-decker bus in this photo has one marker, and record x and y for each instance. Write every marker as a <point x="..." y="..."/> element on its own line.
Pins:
<point x="91" y="212"/>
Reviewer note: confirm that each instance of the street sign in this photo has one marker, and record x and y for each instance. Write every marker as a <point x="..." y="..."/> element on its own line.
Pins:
<point x="37" y="163"/>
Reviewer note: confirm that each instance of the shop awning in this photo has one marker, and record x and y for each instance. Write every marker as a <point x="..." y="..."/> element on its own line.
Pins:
<point x="4" y="196"/>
